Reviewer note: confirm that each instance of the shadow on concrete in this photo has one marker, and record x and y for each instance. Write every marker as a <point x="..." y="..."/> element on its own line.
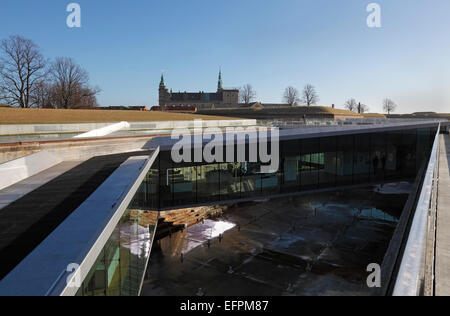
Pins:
<point x="25" y="223"/>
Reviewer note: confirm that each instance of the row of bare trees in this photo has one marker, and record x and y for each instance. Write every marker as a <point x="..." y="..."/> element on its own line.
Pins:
<point x="308" y="97"/>
<point x="291" y="95"/>
<point x="355" y="106"/>
<point x="389" y="106"/>
<point x="28" y="79"/>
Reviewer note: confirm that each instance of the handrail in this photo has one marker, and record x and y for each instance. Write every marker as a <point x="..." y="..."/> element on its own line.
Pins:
<point x="408" y="281"/>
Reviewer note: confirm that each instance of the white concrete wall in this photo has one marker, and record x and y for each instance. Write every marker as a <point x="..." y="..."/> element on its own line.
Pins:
<point x="18" y="129"/>
<point x="17" y="170"/>
<point x="79" y="150"/>
<point x="168" y="125"/>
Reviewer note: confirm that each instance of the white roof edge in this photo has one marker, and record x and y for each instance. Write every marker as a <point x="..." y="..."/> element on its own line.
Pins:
<point x="80" y="238"/>
<point x="166" y="143"/>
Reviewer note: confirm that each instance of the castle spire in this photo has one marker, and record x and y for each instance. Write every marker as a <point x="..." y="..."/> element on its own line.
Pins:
<point x="162" y="84"/>
<point x="220" y="84"/>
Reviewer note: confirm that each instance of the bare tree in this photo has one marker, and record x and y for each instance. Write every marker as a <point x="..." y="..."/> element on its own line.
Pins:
<point x="309" y="95"/>
<point x="389" y="106"/>
<point x="247" y="94"/>
<point x="85" y="98"/>
<point x="22" y="68"/>
<point x="362" y="108"/>
<point x="291" y="96"/>
<point x="351" y="105"/>
<point x="44" y="94"/>
<point x="71" y="85"/>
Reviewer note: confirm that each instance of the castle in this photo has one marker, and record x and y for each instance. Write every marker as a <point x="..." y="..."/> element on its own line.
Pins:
<point x="202" y="100"/>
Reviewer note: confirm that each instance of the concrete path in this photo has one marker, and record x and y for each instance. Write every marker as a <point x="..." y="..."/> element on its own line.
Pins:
<point x="442" y="280"/>
<point x="22" y="188"/>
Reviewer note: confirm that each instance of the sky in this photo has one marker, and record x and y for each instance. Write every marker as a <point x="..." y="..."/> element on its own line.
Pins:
<point x="271" y="44"/>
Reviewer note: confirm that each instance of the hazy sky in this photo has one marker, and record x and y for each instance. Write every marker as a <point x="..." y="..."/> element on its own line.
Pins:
<point x="269" y="43"/>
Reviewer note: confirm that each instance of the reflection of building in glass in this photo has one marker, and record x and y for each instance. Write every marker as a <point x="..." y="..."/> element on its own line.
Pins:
<point x="120" y="268"/>
<point x="305" y="164"/>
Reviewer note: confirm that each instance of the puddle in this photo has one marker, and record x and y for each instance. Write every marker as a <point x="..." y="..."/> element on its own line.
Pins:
<point x="200" y="233"/>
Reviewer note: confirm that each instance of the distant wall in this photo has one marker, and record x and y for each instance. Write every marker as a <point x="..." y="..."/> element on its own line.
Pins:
<point x="23" y="129"/>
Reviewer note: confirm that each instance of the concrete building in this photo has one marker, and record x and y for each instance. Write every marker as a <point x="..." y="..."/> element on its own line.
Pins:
<point x="64" y="235"/>
<point x="202" y="100"/>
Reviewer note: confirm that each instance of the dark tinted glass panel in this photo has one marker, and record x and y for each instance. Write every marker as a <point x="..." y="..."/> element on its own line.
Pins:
<point x="290" y="166"/>
<point x="327" y="162"/>
<point x="345" y="159"/>
<point x="362" y="162"/>
<point x="310" y="163"/>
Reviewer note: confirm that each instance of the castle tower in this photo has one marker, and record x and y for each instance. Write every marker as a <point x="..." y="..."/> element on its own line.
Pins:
<point x="162" y="84"/>
<point x="164" y="96"/>
<point x="220" y="83"/>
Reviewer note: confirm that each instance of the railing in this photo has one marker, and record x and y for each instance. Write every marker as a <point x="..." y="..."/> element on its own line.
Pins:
<point x="311" y="122"/>
<point x="411" y="277"/>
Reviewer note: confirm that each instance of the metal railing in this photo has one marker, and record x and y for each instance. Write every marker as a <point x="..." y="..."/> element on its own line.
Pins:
<point x="312" y="123"/>
<point x="411" y="277"/>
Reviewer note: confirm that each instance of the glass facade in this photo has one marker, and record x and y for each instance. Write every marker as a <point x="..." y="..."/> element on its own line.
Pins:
<point x="120" y="268"/>
<point x="305" y="164"/>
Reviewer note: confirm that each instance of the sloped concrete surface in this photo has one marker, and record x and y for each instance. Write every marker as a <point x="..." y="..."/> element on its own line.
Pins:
<point x="79" y="238"/>
<point x="17" y="170"/>
<point x="22" y="188"/>
<point x="25" y="223"/>
<point x="442" y="280"/>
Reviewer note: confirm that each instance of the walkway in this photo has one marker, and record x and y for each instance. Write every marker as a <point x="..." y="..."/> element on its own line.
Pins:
<point x="26" y="222"/>
<point x="442" y="281"/>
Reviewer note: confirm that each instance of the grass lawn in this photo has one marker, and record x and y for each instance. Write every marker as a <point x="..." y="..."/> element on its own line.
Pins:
<point x="50" y="116"/>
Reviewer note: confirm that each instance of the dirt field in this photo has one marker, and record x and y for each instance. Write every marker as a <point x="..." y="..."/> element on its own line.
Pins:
<point x="49" y="116"/>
